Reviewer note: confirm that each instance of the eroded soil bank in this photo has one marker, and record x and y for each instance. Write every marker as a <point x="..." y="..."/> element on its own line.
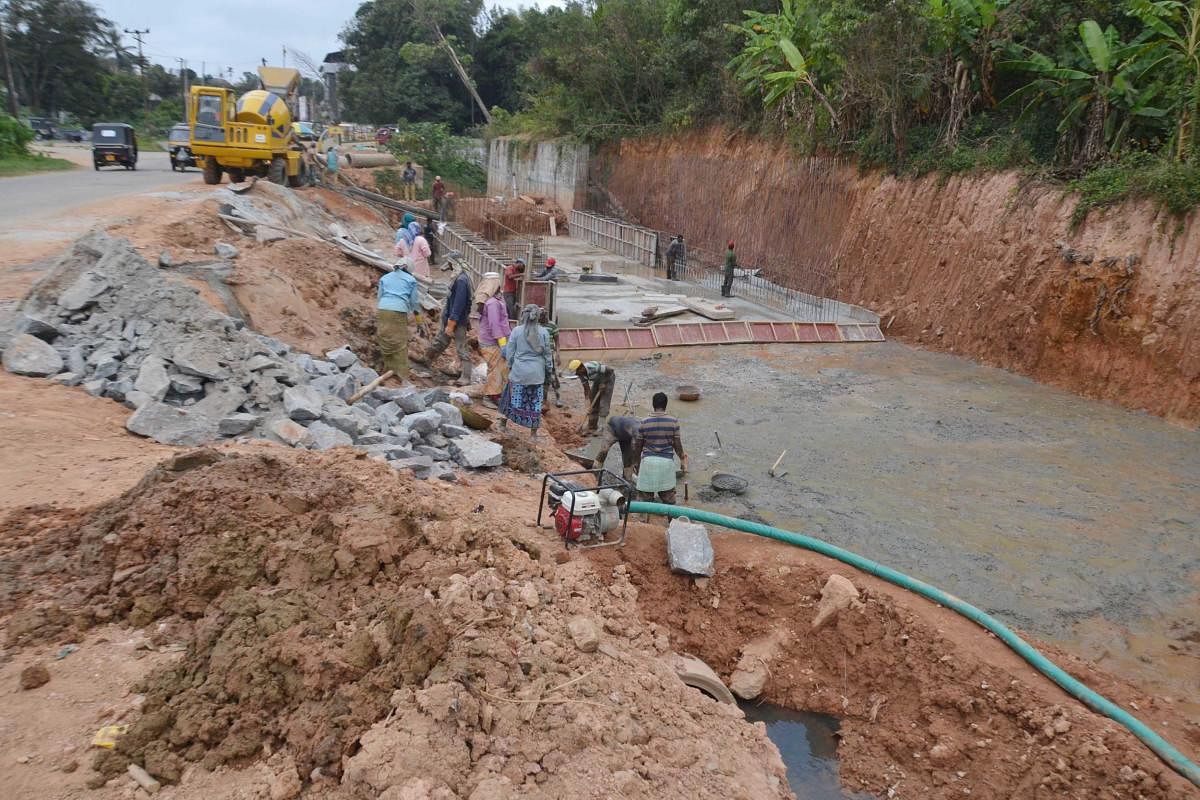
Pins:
<point x="988" y="267"/>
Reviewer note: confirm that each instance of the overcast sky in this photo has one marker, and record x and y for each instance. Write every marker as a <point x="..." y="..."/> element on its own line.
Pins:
<point x="236" y="33"/>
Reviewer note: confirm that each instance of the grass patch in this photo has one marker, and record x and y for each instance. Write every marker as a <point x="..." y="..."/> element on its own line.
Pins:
<point x="1171" y="185"/>
<point x="24" y="165"/>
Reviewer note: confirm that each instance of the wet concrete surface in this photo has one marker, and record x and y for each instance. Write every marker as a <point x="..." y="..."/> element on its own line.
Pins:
<point x="1075" y="521"/>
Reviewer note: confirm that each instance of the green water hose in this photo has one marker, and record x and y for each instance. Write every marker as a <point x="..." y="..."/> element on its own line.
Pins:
<point x="1097" y="702"/>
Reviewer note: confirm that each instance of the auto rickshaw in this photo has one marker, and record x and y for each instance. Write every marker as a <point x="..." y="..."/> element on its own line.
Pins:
<point x="114" y="144"/>
<point x="179" y="147"/>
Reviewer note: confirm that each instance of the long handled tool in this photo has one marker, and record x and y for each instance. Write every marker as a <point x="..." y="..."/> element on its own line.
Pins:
<point x="375" y="384"/>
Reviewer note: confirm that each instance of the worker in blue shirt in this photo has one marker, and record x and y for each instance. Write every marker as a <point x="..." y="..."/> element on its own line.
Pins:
<point x="456" y="321"/>
<point x="399" y="297"/>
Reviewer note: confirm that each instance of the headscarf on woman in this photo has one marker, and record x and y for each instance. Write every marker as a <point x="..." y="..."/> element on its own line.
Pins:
<point x="408" y="217"/>
<point x="414" y="229"/>
<point x="531" y="320"/>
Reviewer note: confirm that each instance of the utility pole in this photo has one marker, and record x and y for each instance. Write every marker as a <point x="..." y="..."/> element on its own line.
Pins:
<point x="183" y="79"/>
<point x="462" y="72"/>
<point x="284" y="63"/>
<point x="14" y="107"/>
<point x="137" y="35"/>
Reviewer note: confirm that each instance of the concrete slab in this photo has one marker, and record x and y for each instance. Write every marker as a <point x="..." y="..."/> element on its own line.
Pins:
<point x="583" y="305"/>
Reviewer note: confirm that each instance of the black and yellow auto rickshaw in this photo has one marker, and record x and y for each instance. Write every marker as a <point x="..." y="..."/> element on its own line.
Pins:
<point x="114" y="144"/>
<point x="179" y="147"/>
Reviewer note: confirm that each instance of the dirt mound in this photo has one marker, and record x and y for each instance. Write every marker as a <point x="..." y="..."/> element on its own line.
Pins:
<point x="367" y="632"/>
<point x="930" y="705"/>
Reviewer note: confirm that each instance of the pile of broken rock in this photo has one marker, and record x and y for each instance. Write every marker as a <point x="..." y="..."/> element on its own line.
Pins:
<point x="107" y="320"/>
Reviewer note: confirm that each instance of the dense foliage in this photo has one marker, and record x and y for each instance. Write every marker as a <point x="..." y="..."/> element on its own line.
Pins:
<point x="1061" y="86"/>
<point x="14" y="137"/>
<point x="433" y="146"/>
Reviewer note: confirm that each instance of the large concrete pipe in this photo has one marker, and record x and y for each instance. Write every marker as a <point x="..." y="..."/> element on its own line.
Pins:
<point x="371" y="159"/>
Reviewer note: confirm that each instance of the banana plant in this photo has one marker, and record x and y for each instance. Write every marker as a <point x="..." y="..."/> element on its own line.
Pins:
<point x="1173" y="48"/>
<point x="770" y="63"/>
<point x="1101" y="100"/>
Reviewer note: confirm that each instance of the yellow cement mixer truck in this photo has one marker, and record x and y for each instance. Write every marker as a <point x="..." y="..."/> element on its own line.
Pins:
<point x="248" y="135"/>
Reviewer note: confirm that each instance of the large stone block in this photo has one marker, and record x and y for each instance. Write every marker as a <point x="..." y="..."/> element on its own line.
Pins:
<point x="302" y="403"/>
<point x="688" y="548"/>
<point x="339" y="386"/>
<point x="422" y="423"/>
<point x="29" y="355"/>
<point x="475" y="452"/>
<point x="450" y="414"/>
<point x="327" y="437"/>
<point x="86" y="289"/>
<point x="343" y="357"/>
<point x="152" y="378"/>
<point x="199" y="358"/>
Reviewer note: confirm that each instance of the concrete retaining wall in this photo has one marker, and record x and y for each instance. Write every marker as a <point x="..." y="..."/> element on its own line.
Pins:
<point x="554" y="169"/>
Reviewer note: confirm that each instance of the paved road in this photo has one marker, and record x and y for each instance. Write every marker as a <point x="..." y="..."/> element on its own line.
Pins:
<point x="51" y="193"/>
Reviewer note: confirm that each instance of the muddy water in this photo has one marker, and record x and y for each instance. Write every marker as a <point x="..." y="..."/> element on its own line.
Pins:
<point x="1073" y="520"/>
<point x="807" y="743"/>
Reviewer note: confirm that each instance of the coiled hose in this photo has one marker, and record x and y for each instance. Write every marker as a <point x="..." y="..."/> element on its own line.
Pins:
<point x="1097" y="702"/>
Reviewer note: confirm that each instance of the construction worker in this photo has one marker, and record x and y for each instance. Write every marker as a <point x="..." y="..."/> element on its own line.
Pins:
<point x="512" y="277"/>
<point x="598" y="381"/>
<point x="620" y="431"/>
<point x="438" y="192"/>
<point x="399" y="300"/>
<point x="408" y="181"/>
<point x="456" y="321"/>
<point x="552" y="375"/>
<point x="675" y="254"/>
<point x="654" y="446"/>
<point x="550" y="273"/>
<point x="730" y="266"/>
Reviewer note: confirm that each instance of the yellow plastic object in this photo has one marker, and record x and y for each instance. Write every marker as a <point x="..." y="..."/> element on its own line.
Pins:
<point x="574" y="365"/>
<point x="107" y="736"/>
<point x="502" y="341"/>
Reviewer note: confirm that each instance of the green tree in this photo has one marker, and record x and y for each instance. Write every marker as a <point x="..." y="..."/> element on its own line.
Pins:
<point x="52" y="45"/>
<point x="1098" y="98"/>
<point x="1173" y="44"/>
<point x="401" y="71"/>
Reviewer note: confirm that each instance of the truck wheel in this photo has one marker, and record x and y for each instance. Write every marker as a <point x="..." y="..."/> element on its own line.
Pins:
<point x="299" y="179"/>
<point x="277" y="173"/>
<point x="212" y="172"/>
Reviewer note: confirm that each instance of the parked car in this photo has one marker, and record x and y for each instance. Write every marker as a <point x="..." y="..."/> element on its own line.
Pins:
<point x="43" y="128"/>
<point x="179" y="147"/>
<point x="114" y="144"/>
<point x="72" y="134"/>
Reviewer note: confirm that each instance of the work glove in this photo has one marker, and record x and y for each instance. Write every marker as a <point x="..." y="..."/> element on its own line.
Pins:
<point x="502" y="341"/>
<point x="450" y="326"/>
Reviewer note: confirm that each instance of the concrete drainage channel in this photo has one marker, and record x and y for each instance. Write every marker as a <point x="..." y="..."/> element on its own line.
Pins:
<point x="106" y="319"/>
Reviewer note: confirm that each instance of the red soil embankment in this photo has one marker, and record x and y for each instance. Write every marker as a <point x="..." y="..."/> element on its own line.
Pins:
<point x="982" y="266"/>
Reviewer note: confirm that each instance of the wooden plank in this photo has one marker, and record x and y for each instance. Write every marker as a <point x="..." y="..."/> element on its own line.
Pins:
<point x="707" y="308"/>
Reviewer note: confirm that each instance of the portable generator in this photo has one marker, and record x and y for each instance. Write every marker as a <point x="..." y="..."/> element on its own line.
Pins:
<point x="585" y="516"/>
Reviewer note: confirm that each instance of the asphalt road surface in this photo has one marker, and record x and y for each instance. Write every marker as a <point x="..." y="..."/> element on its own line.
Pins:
<point x="52" y="193"/>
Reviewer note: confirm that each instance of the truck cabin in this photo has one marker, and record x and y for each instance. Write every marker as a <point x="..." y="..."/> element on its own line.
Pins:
<point x="212" y="108"/>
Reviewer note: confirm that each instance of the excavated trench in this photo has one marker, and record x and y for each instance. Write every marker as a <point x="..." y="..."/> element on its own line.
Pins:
<point x="808" y="745"/>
